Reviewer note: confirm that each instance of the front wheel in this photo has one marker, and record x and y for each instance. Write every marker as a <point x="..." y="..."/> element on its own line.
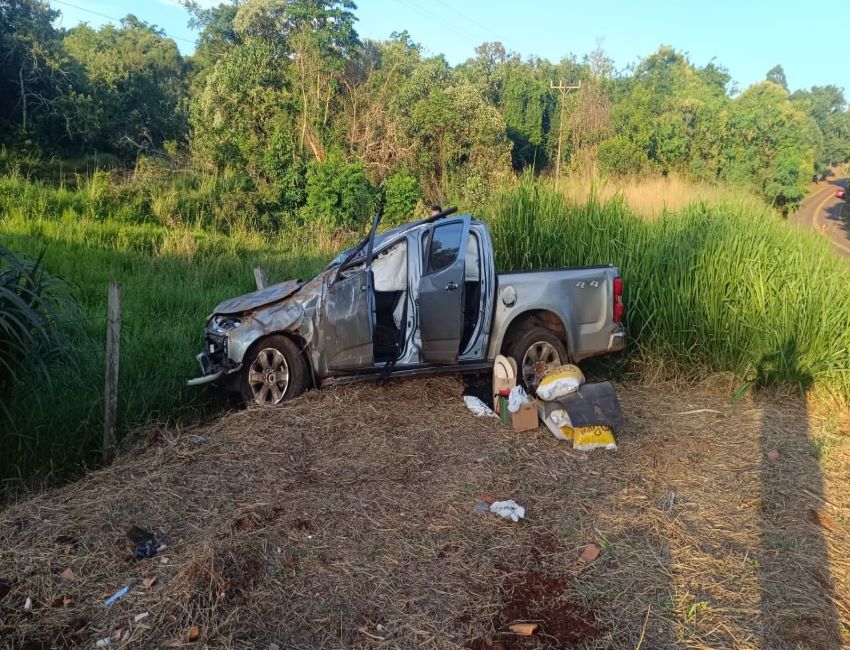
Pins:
<point x="273" y="371"/>
<point x="537" y="351"/>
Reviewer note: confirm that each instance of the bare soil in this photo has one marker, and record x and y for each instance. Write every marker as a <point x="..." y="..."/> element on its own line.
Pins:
<point x="347" y="519"/>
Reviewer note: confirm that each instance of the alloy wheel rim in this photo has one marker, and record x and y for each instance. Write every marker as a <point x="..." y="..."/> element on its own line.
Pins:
<point x="268" y="377"/>
<point x="540" y="358"/>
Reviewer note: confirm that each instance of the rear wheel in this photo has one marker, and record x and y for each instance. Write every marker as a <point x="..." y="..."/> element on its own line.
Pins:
<point x="537" y="351"/>
<point x="273" y="371"/>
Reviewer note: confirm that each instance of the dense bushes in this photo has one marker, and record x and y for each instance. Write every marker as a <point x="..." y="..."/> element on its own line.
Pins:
<point x="401" y="195"/>
<point x="339" y="194"/>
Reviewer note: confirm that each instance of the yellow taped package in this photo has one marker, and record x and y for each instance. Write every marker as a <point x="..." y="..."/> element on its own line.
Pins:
<point x="560" y="382"/>
<point x="594" y="437"/>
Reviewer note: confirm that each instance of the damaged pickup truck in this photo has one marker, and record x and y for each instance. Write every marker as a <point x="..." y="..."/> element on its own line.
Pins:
<point x="417" y="299"/>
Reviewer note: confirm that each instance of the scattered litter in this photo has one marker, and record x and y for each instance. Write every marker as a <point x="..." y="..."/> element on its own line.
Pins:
<point x="560" y="382"/>
<point x="105" y="642"/>
<point x="773" y="454"/>
<point x="193" y="633"/>
<point x="118" y="594"/>
<point x="68" y="574"/>
<point x="589" y="554"/>
<point x="66" y="601"/>
<point x="125" y="635"/>
<point x="163" y="560"/>
<point x="509" y="509"/>
<point x="140" y="617"/>
<point x="199" y="440"/>
<point x="149" y="582"/>
<point x="524" y="629"/>
<point x="516" y="398"/>
<point x="517" y="409"/>
<point x="145" y="544"/>
<point x="595" y="437"/>
<point x="556" y="419"/>
<point x="484" y="502"/>
<point x="594" y="404"/>
<point x="28" y="604"/>
<point x="478" y="408"/>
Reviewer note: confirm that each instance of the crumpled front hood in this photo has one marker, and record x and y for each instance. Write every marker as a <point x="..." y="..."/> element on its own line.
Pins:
<point x="259" y="298"/>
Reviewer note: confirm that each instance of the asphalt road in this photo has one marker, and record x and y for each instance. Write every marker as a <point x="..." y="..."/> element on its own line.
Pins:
<point x="822" y="211"/>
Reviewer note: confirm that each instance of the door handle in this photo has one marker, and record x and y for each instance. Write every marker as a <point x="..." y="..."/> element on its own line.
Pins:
<point x="451" y="286"/>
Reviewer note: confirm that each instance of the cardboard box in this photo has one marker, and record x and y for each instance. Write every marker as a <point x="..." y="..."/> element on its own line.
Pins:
<point x="526" y="418"/>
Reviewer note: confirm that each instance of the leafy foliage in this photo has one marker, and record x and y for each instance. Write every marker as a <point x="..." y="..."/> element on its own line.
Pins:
<point x="401" y="195"/>
<point x="339" y="194"/>
<point x="275" y="85"/>
<point x="35" y="311"/>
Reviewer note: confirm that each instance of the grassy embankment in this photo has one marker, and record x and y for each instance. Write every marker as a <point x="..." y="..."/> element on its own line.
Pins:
<point x="717" y="287"/>
<point x="174" y="266"/>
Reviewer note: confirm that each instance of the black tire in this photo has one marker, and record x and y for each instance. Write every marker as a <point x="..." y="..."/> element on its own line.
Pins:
<point x="260" y="379"/>
<point x="526" y="342"/>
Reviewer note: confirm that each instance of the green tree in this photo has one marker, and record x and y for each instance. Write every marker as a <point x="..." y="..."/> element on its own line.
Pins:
<point x="36" y="76"/>
<point x="135" y="87"/>
<point x="777" y="75"/>
<point x="339" y="194"/>
<point x="401" y="195"/>
<point x="828" y="108"/>
<point x="244" y="117"/>
<point x="771" y="143"/>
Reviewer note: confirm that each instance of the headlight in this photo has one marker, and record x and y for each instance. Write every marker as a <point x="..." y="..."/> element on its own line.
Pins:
<point x="225" y="323"/>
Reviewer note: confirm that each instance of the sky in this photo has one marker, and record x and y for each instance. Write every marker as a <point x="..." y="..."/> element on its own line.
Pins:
<point x="748" y="37"/>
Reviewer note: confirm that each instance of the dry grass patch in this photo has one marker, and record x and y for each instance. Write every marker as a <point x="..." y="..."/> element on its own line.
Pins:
<point x="347" y="519"/>
<point x="651" y="196"/>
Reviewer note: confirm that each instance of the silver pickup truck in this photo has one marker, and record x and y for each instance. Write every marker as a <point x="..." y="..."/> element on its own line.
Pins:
<point x="417" y="299"/>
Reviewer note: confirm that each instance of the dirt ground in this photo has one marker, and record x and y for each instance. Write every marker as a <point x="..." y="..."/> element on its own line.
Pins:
<point x="347" y="520"/>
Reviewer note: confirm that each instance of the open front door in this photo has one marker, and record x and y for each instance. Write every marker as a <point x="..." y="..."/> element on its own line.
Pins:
<point x="441" y="292"/>
<point x="347" y="323"/>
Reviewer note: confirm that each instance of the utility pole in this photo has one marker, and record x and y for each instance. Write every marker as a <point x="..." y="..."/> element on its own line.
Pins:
<point x="564" y="90"/>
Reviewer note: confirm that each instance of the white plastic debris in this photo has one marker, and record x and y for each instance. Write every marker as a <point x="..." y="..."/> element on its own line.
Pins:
<point x="478" y="408"/>
<point x="509" y="509"/>
<point x="105" y="642"/>
<point x="517" y="398"/>
<point x="556" y="420"/>
<point x="140" y="617"/>
<point x="28" y="604"/>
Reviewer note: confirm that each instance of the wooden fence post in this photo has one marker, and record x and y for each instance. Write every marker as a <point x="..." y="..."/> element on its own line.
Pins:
<point x="261" y="277"/>
<point x="110" y="388"/>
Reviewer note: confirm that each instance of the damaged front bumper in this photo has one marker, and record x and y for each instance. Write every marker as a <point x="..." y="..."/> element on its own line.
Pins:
<point x="213" y="362"/>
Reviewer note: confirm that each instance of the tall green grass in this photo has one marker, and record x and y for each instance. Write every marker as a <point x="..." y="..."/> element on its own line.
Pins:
<point x="717" y="287"/>
<point x="172" y="277"/>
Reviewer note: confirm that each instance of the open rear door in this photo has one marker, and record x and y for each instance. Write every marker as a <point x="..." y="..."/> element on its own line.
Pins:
<point x="441" y="291"/>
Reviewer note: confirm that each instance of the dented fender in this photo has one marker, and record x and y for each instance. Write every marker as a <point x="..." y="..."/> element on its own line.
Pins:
<point x="282" y="317"/>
